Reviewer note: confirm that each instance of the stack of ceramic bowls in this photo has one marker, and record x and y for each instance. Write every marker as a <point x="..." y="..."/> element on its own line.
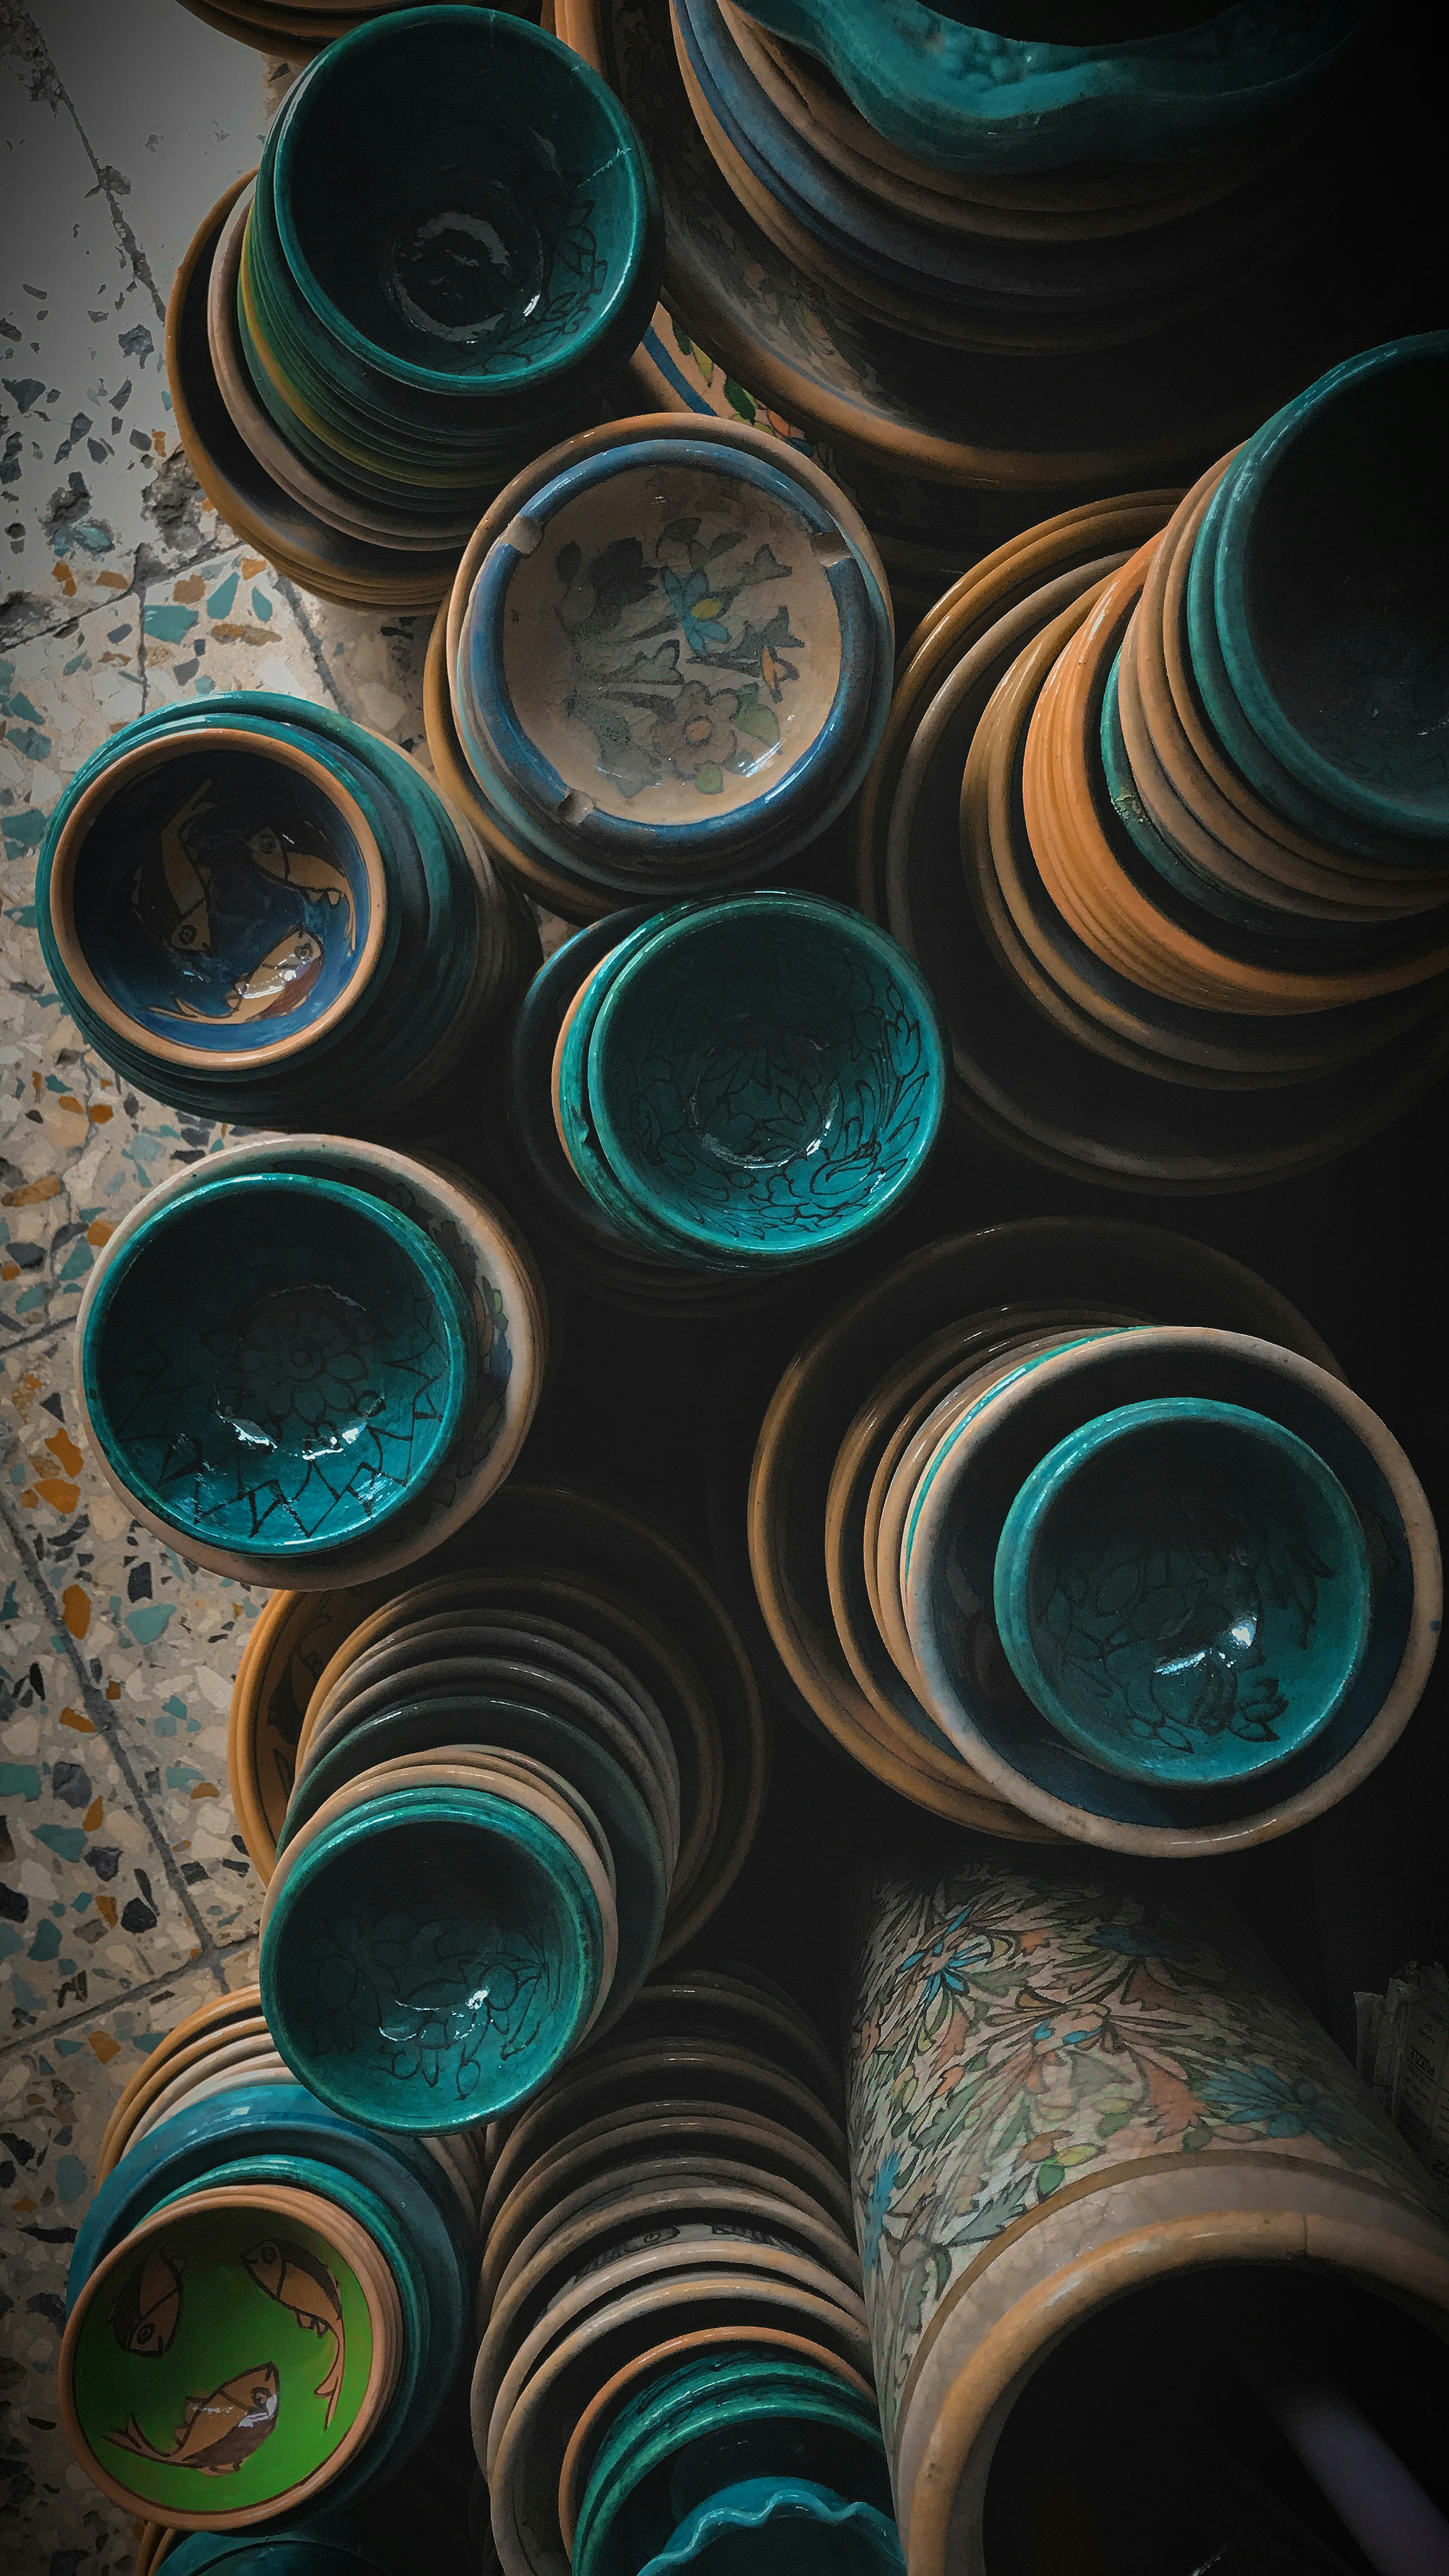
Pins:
<point x="268" y="2304"/>
<point x="297" y="29"/>
<point x="259" y="911"/>
<point x="670" y="2297"/>
<point x="309" y="1359"/>
<point x="451" y="245"/>
<point x="665" y="665"/>
<point x="738" y="1088"/>
<point x="413" y="2518"/>
<point x="952" y="1557"/>
<point x="622" y="1660"/>
<point x="1113" y="996"/>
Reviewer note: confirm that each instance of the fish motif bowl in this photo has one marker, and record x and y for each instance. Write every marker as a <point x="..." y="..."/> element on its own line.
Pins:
<point x="276" y="1363"/>
<point x="450" y="1997"/>
<point x="230" y="2356"/>
<point x="671" y="653"/>
<point x="219" y="902"/>
<point x="767" y="1077"/>
<point x="1182" y="1588"/>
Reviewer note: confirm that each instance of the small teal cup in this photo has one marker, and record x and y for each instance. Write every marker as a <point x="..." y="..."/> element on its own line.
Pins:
<point x="1182" y="1589"/>
<point x="430" y="1958"/>
<point x="276" y="1363"/>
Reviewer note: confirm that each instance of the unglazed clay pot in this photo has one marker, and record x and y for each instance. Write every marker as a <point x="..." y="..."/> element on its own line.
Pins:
<point x="1138" y="2103"/>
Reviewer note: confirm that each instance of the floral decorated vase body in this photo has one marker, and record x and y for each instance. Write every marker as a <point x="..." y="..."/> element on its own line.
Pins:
<point x="1059" y="2090"/>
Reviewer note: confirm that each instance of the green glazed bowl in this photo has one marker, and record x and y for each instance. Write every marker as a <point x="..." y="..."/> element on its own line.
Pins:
<point x="1182" y="1588"/>
<point x="455" y="1995"/>
<point x="276" y="1363"/>
<point x="464" y="205"/>
<point x="777" y="2526"/>
<point x="767" y="1077"/>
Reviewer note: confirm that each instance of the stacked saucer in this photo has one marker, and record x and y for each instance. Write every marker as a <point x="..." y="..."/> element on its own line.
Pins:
<point x="670" y="2299"/>
<point x="665" y="665"/>
<point x="451" y="243"/>
<point x="259" y="911"/>
<point x="283" y="28"/>
<point x="309" y="1358"/>
<point x="949" y="1632"/>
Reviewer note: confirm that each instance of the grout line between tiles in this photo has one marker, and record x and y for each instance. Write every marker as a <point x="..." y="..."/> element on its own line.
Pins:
<point x="38" y="2036"/>
<point x="28" y="42"/>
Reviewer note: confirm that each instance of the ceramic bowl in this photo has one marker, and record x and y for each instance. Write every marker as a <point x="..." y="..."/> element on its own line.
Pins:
<point x="461" y="1999"/>
<point x="1309" y="602"/>
<point x="465" y="208"/>
<point x="811" y="1112"/>
<point x="970" y="1487"/>
<point x="1183" y="1588"/>
<point x="309" y="1397"/>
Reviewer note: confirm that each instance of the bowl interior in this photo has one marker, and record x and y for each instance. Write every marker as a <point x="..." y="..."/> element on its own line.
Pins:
<point x="465" y="193"/>
<point x="277" y="1362"/>
<point x="222" y="899"/>
<point x="766" y="1075"/>
<point x="224" y="2361"/>
<point x="1184" y="1589"/>
<point x="671" y="647"/>
<point x="456" y="1998"/>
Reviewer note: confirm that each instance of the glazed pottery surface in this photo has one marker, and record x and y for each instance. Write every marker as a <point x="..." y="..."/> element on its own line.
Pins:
<point x="773" y="2520"/>
<point x="313" y="1388"/>
<point x="1183" y="1588"/>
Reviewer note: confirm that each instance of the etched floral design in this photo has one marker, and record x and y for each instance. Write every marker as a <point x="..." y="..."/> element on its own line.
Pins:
<point x="699" y="733"/>
<point x="1013" y="2033"/>
<point x="424" y="2001"/>
<point x="302" y="1355"/>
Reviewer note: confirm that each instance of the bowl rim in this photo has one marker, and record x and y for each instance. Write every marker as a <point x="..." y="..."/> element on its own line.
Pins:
<point x="643" y="209"/>
<point x="406" y="1236"/>
<point x="1025" y="1525"/>
<point x="155" y="751"/>
<point x="849" y="927"/>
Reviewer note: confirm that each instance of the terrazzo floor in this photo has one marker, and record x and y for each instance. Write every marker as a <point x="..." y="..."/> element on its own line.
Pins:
<point x="125" y="1893"/>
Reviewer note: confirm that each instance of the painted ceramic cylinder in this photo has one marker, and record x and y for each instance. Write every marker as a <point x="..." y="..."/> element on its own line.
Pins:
<point x="1062" y="2092"/>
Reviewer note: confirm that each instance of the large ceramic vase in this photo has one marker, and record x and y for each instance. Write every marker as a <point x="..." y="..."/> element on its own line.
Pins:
<point x="1062" y="2094"/>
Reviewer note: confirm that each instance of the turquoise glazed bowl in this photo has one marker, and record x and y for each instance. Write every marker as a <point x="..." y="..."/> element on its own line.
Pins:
<point x="1183" y="1589"/>
<point x="1328" y="591"/>
<point x="777" y="2526"/>
<point x="454" y="1997"/>
<point x="276" y="1363"/>
<point x="767" y="1077"/>
<point x="465" y="207"/>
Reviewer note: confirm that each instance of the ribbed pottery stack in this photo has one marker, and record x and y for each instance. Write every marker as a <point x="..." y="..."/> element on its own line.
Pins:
<point x="664" y="666"/>
<point x="1107" y="1551"/>
<point x="268" y="2304"/>
<point x="673" y="2363"/>
<point x="256" y="910"/>
<point x="1156" y="2170"/>
<point x="293" y="32"/>
<point x="1201" y="937"/>
<point x="310" y="1359"/>
<point x="451" y="244"/>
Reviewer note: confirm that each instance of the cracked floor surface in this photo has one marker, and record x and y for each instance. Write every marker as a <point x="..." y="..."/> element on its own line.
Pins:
<point x="125" y="1893"/>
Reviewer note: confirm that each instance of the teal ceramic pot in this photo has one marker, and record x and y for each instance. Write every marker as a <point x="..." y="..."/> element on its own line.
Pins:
<point x="767" y="1078"/>
<point x="465" y="207"/>
<point x="456" y="2001"/>
<point x="673" y="651"/>
<point x="1326" y="596"/>
<point x="955" y="1526"/>
<point x="777" y="2526"/>
<point x="1183" y="1589"/>
<point x="530" y="1073"/>
<point x="276" y="1363"/>
<point x="944" y="89"/>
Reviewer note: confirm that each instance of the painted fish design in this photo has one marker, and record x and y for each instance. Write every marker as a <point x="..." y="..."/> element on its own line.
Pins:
<point x="277" y="984"/>
<point x="176" y="908"/>
<point x="319" y="879"/>
<point x="300" y="2281"/>
<point x="147" y="2312"/>
<point x="218" y="2433"/>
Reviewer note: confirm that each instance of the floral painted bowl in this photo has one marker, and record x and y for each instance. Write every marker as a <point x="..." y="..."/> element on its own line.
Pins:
<point x="767" y="1078"/>
<point x="1182" y="1588"/>
<point x="456" y="1999"/>
<point x="276" y="1363"/>
<point x="671" y="652"/>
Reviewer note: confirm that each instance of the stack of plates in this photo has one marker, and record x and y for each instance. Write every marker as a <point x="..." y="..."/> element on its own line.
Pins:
<point x="259" y="911"/>
<point x="259" y="2289"/>
<point x="451" y="244"/>
<point x="281" y="27"/>
<point x="564" y="1576"/>
<point x="665" y="664"/>
<point x="670" y="2297"/>
<point x="310" y="1358"/>
<point x="1010" y="1341"/>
